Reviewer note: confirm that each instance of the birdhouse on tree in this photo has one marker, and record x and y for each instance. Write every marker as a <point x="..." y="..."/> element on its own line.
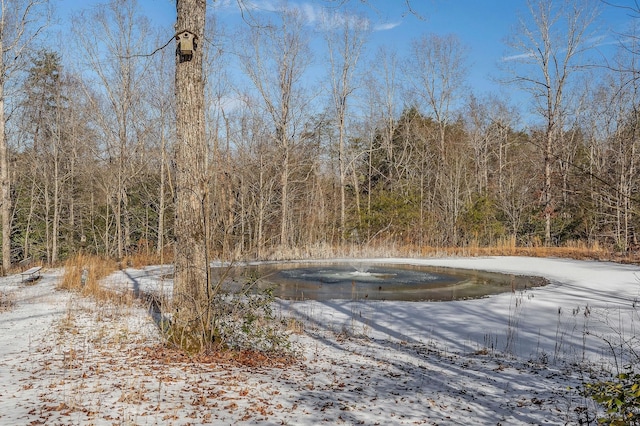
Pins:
<point x="187" y="43"/>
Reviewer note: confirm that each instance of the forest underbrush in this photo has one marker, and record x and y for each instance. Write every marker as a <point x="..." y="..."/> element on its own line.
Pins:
<point x="144" y="255"/>
<point x="577" y="250"/>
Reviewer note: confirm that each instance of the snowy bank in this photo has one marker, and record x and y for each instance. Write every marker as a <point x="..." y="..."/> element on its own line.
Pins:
<point x="515" y="358"/>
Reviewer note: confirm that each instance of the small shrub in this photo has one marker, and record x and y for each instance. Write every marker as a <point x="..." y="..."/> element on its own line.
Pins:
<point x="620" y="397"/>
<point x="235" y="319"/>
<point x="247" y="321"/>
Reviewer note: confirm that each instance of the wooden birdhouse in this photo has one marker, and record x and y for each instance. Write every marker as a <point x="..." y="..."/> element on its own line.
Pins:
<point x="187" y="43"/>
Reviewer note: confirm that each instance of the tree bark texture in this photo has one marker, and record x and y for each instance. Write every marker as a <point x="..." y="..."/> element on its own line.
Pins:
<point x="191" y="269"/>
<point x="5" y="189"/>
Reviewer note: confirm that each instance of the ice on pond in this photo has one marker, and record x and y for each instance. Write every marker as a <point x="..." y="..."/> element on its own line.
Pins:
<point x="325" y="281"/>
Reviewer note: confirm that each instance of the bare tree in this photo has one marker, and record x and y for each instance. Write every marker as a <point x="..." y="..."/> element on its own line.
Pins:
<point x="160" y="99"/>
<point x="549" y="44"/>
<point x="110" y="36"/>
<point x="21" y="22"/>
<point x="383" y="90"/>
<point x="44" y="107"/>
<point x="278" y="58"/>
<point x="345" y="45"/>
<point x="225" y="214"/>
<point x="437" y="73"/>
<point x="613" y="128"/>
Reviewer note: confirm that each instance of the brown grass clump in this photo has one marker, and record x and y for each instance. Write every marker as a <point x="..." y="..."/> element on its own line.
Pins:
<point x="6" y="301"/>
<point x="294" y="326"/>
<point x="145" y="255"/>
<point x="83" y="273"/>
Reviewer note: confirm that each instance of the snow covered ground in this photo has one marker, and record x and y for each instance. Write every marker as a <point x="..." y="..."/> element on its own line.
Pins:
<point x="511" y="359"/>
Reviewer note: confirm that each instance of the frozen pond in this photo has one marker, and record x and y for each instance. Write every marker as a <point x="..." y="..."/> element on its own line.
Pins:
<point x="324" y="281"/>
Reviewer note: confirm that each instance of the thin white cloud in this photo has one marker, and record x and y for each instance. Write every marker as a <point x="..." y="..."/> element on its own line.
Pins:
<point x="333" y="20"/>
<point x="326" y="18"/>
<point x="252" y="5"/>
<point x="261" y="5"/>
<point x="223" y="4"/>
<point x="617" y="42"/>
<point x="592" y="42"/>
<point x="386" y="26"/>
<point x="596" y="40"/>
<point x="517" y="57"/>
<point x="312" y="14"/>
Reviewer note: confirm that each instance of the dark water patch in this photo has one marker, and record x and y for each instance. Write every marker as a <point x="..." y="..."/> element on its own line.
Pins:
<point x="362" y="281"/>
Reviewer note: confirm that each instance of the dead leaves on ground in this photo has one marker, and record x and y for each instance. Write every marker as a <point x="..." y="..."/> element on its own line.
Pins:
<point x="245" y="358"/>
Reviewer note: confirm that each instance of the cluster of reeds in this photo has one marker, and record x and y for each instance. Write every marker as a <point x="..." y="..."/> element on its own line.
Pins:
<point x="503" y="247"/>
<point x="83" y="273"/>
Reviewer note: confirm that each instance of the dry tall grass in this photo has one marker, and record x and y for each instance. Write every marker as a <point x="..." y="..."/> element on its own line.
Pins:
<point x="574" y="250"/>
<point x="144" y="257"/>
<point x="506" y="247"/>
<point x="83" y="273"/>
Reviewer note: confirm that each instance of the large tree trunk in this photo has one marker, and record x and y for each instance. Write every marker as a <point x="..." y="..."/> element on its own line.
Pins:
<point x="191" y="268"/>
<point x="161" y="203"/>
<point x="547" y="196"/>
<point x="284" y="183"/>
<point x="56" y="206"/>
<point x="5" y="190"/>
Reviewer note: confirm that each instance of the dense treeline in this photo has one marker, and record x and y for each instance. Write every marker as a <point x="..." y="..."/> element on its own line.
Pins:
<point x="392" y="151"/>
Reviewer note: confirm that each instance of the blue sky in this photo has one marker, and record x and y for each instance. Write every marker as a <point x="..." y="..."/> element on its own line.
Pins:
<point x="482" y="26"/>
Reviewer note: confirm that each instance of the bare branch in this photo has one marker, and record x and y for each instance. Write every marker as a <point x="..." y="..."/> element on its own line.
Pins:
<point x="635" y="10"/>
